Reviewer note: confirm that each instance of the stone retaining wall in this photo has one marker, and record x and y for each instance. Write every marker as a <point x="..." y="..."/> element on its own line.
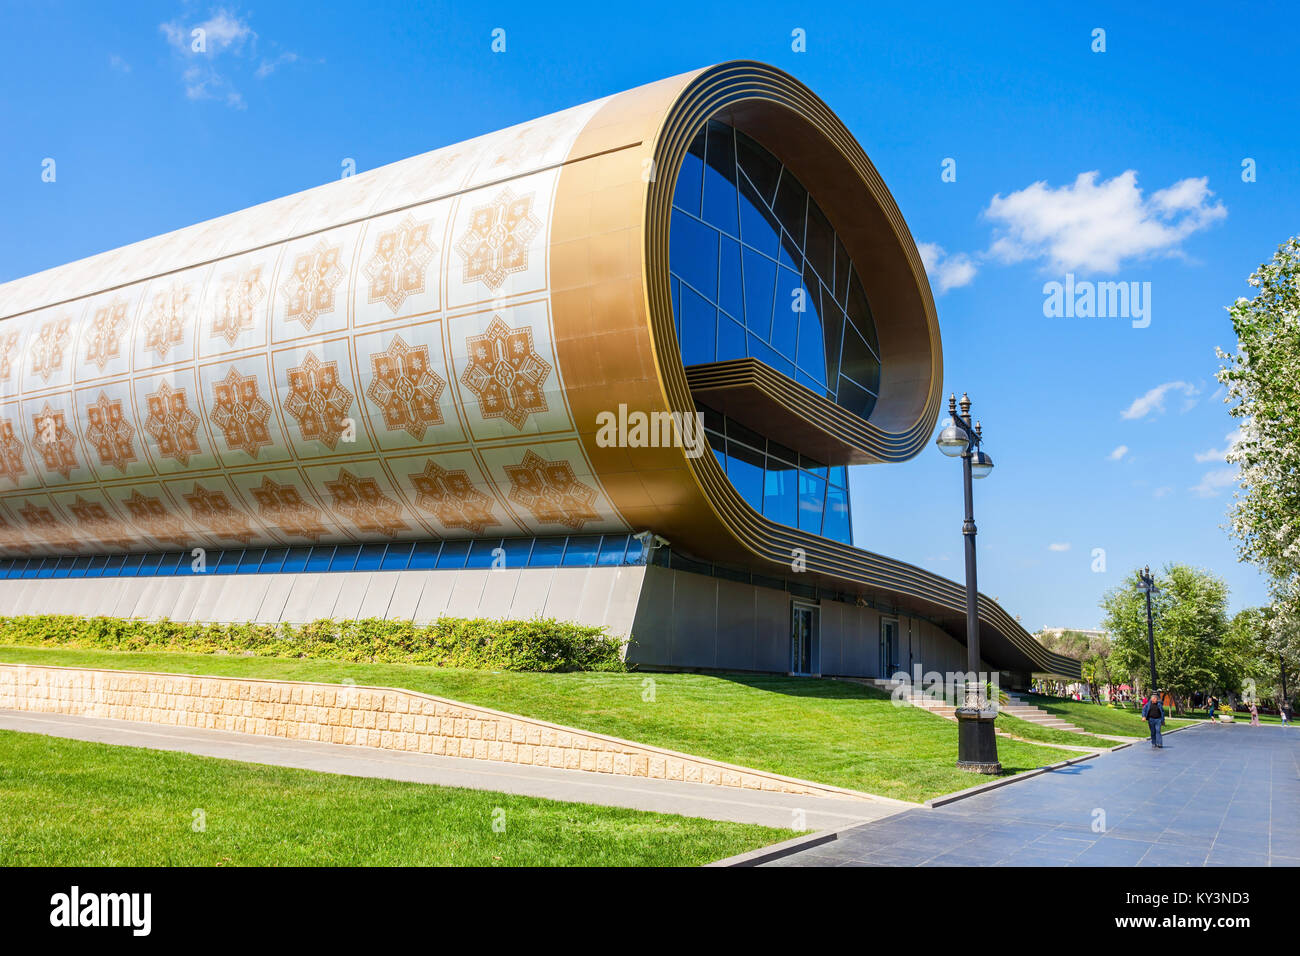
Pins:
<point x="356" y="715"/>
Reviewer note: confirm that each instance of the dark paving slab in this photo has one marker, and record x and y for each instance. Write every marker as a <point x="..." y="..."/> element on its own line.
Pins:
<point x="1224" y="795"/>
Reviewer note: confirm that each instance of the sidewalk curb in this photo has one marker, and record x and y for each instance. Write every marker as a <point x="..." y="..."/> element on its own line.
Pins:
<point x="948" y="798"/>
<point x="777" y="850"/>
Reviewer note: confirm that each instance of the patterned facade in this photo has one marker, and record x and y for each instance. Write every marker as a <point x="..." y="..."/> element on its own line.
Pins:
<point x="385" y="370"/>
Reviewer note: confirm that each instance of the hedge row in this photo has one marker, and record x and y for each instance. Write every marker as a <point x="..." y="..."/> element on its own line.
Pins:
<point x="535" y="645"/>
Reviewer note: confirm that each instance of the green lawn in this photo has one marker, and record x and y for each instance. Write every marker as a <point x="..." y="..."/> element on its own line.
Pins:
<point x="824" y="730"/>
<point x="71" y="803"/>
<point x="1097" y="718"/>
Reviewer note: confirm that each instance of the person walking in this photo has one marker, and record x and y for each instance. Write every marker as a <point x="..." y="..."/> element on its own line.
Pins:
<point x="1214" y="703"/>
<point x="1254" y="715"/>
<point x="1154" y="715"/>
<point x="1285" y="711"/>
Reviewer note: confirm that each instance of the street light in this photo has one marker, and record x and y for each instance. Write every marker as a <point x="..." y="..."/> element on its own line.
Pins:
<point x="1147" y="584"/>
<point x="977" y="744"/>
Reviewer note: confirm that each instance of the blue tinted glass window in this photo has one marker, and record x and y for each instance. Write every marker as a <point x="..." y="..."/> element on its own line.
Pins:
<point x="482" y="553"/>
<point x="251" y="562"/>
<point x="691" y="177"/>
<point x="425" y="555"/>
<point x="694" y="254"/>
<point x="397" y="556"/>
<point x="720" y="208"/>
<point x="149" y="566"/>
<point x="453" y="554"/>
<point x="836" y="524"/>
<point x="812" y="502"/>
<point x="634" y="549"/>
<point x="227" y="562"/>
<point x="113" y="567"/>
<point x="295" y="560"/>
<point x="61" y="570"/>
<point x="320" y="558"/>
<point x="345" y="557"/>
<point x="167" y="564"/>
<point x="581" y="550"/>
<point x="781" y="495"/>
<point x="745" y="471"/>
<point x="517" y="551"/>
<point x="699" y="329"/>
<point x="741" y="191"/>
<point x="546" y="553"/>
<point x="612" y="549"/>
<point x="273" y="560"/>
<point x="370" y="558"/>
<point x="131" y="565"/>
<point x="46" y="568"/>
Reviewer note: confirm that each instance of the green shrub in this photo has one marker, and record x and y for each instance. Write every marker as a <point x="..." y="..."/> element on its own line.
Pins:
<point x="536" y="645"/>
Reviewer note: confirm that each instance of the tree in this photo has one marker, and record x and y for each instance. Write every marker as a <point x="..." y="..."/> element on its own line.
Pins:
<point x="1191" y="625"/>
<point x="1263" y="385"/>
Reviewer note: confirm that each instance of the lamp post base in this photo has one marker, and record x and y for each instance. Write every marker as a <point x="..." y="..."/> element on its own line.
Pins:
<point x="977" y="744"/>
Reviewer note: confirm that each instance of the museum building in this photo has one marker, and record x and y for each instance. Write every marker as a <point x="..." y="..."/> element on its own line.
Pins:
<point x="381" y="397"/>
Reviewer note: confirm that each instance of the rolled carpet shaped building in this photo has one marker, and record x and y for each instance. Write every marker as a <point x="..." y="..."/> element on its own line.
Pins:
<point x="609" y="366"/>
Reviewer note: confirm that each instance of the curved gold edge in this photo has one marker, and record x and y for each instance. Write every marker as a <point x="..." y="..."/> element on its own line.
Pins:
<point x="616" y="342"/>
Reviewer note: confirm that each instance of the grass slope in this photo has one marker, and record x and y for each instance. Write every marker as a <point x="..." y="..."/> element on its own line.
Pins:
<point x="824" y="730"/>
<point x="71" y="803"/>
<point x="1049" y="735"/>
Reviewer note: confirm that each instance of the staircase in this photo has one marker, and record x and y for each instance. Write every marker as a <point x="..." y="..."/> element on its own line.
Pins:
<point x="1016" y="707"/>
<point x="1013" y="705"/>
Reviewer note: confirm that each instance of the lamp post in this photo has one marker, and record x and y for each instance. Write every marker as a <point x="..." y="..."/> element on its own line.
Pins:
<point x="977" y="745"/>
<point x="1147" y="585"/>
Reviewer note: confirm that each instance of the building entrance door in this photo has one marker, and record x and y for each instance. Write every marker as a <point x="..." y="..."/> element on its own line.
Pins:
<point x="888" y="648"/>
<point x="803" y="639"/>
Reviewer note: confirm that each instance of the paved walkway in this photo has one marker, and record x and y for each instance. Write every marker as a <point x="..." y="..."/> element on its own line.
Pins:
<point x="1215" y="795"/>
<point x="663" y="796"/>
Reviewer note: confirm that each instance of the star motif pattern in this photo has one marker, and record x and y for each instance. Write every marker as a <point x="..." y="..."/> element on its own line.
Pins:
<point x="171" y="423"/>
<point x="12" y="465"/>
<point x="309" y="289"/>
<point x="282" y="507"/>
<point x="318" y="401"/>
<point x="8" y="352"/>
<point x="154" y="518"/>
<point x="505" y="373"/>
<point x="94" y="521"/>
<point x="104" y="337"/>
<point x="47" y="348"/>
<point x="236" y="303"/>
<point x="241" y="413"/>
<point x="495" y="244"/>
<point x="399" y="265"/>
<point x="550" y="490"/>
<point x="451" y="497"/>
<point x="54" y="441"/>
<point x="365" y="504"/>
<point x="109" y="431"/>
<point x="166" y="318"/>
<point x="405" y="388"/>
<point x="212" y="510"/>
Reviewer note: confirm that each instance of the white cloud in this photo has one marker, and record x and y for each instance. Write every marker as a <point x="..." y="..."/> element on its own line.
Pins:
<point x="1162" y="491"/>
<point x="1214" y="482"/>
<point x="228" y="49"/>
<point x="1219" y="454"/>
<point x="119" y="64"/>
<point x="946" y="271"/>
<point x="1119" y="452"/>
<point x="1154" y="399"/>
<point x="1097" y="227"/>
<point x="1058" y="546"/>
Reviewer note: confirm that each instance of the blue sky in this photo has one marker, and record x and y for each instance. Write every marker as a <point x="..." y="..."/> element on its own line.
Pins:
<point x="144" y="142"/>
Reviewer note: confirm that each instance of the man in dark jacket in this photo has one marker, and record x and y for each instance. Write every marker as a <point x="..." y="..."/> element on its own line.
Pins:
<point x="1154" y="715"/>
